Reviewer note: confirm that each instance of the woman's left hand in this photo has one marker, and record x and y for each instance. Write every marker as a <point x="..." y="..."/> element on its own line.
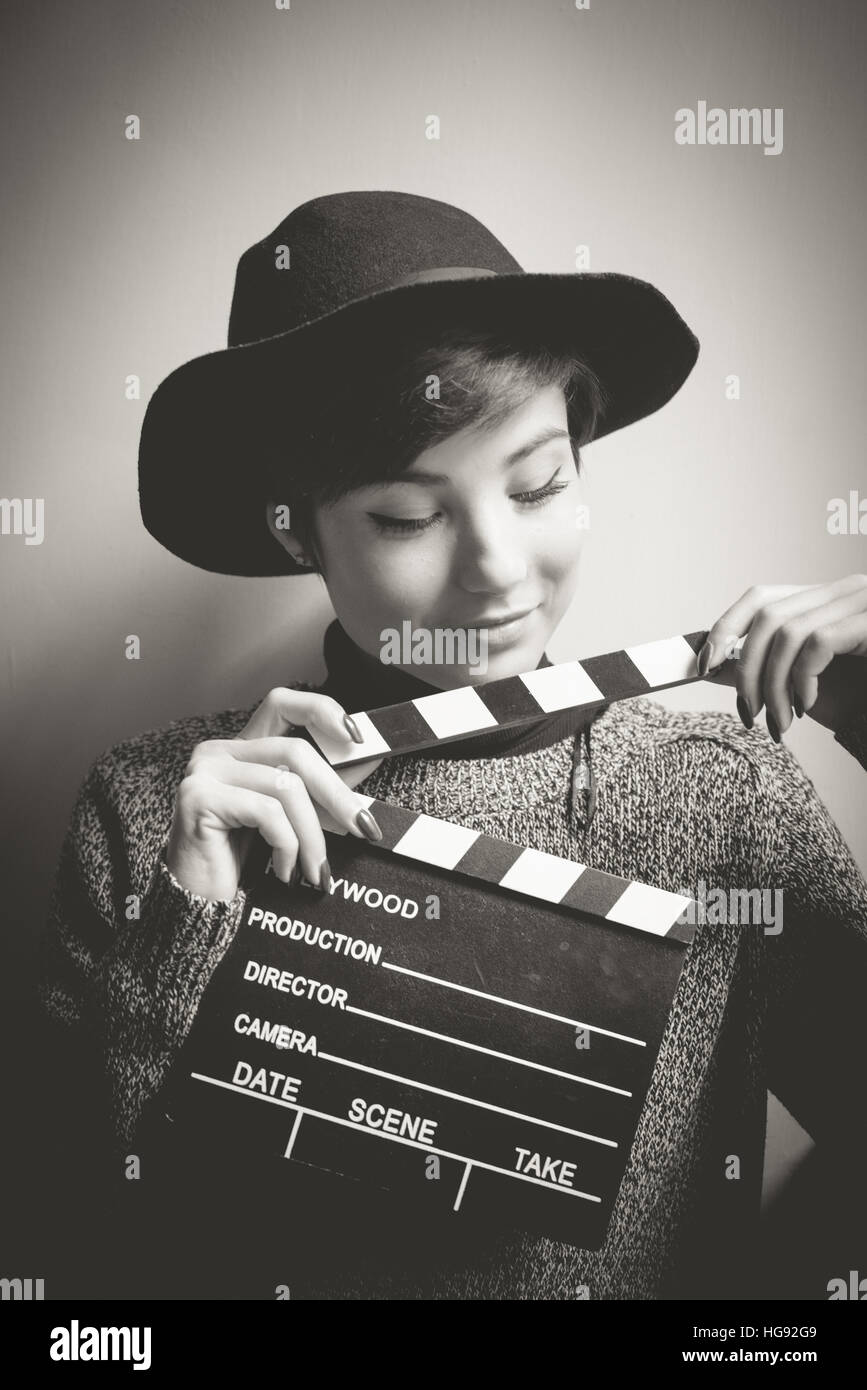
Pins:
<point x="805" y="644"/>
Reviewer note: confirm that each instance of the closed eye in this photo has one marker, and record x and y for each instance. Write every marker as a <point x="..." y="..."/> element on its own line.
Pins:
<point x="423" y="523"/>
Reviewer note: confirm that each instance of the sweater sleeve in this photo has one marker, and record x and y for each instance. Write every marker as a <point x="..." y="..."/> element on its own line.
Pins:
<point x="816" y="964"/>
<point x="121" y="979"/>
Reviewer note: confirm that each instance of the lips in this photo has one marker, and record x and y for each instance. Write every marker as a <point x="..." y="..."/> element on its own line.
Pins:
<point x="494" y="621"/>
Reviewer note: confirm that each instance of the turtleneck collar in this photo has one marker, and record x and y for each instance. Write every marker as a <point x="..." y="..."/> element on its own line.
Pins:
<point x="359" y="681"/>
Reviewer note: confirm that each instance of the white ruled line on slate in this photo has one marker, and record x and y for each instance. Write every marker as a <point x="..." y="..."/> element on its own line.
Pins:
<point x="394" y="1138"/>
<point x="512" y="1004"/>
<point x="467" y="1100"/>
<point x="488" y="1051"/>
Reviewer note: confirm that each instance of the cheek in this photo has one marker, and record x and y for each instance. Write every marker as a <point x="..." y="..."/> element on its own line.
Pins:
<point x="374" y="579"/>
<point x="559" y="541"/>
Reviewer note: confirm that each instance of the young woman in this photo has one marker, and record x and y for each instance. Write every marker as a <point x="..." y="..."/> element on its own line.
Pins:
<point x="415" y="406"/>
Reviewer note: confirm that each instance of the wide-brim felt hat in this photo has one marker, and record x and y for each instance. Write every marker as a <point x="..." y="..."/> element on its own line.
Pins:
<point x="340" y="274"/>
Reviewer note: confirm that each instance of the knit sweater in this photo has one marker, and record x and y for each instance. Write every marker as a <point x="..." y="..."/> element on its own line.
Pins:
<point x="681" y="798"/>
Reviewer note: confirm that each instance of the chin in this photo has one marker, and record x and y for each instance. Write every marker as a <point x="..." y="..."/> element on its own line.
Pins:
<point x="511" y="661"/>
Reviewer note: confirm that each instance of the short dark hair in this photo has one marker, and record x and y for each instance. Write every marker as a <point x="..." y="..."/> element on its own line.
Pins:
<point x="371" y="425"/>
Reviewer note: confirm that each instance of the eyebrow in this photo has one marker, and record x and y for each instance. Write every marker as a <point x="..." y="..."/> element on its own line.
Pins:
<point x="543" y="437"/>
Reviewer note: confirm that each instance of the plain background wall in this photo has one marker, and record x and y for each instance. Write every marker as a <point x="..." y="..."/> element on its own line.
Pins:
<point x="557" y="130"/>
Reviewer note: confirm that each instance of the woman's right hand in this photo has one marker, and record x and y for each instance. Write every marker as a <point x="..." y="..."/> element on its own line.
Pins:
<point x="267" y="781"/>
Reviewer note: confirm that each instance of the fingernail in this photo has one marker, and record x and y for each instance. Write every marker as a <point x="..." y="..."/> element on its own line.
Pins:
<point x="745" y="712"/>
<point x="367" y="825"/>
<point x="324" y="876"/>
<point x="797" y="706"/>
<point x="773" y="727"/>
<point x="702" y="661"/>
<point x="352" y="728"/>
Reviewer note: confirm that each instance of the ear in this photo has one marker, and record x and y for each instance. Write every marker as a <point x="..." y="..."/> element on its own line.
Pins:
<point x="277" y="515"/>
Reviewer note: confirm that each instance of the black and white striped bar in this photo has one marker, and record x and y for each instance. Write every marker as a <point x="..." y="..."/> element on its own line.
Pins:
<point x="531" y="872"/>
<point x="514" y="700"/>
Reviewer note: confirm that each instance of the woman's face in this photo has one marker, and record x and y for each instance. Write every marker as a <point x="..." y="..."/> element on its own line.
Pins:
<point x="480" y="527"/>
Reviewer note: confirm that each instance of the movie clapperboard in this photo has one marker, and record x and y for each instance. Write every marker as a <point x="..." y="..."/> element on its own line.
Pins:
<point x="453" y="996"/>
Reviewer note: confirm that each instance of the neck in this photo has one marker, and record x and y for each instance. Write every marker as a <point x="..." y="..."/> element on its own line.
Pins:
<point x="359" y="681"/>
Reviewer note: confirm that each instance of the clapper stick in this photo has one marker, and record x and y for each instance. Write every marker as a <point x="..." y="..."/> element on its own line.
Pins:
<point x="514" y="700"/>
<point x="532" y="873"/>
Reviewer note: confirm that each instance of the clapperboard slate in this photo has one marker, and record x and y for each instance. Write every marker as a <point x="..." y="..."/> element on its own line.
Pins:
<point x="452" y="996"/>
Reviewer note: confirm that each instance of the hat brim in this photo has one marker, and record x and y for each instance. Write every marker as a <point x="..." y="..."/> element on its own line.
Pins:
<point x="212" y="423"/>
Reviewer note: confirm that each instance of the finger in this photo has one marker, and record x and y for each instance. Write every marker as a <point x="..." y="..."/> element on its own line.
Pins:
<point x="235" y="808"/>
<point x="758" y="677"/>
<point x="778" y="678"/>
<point x="845" y="637"/>
<point x="283" y="709"/>
<point x="327" y="789"/>
<point x="727" y="673"/>
<point x="730" y="627"/>
<point x="762" y="631"/>
<point x="291" y="791"/>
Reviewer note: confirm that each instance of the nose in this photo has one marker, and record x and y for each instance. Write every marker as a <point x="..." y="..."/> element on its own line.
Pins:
<point x="490" y="555"/>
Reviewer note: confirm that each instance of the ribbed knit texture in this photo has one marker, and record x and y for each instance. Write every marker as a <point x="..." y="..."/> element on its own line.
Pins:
<point x="681" y="797"/>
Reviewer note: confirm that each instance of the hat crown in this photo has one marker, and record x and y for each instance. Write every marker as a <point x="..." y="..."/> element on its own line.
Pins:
<point x="344" y="246"/>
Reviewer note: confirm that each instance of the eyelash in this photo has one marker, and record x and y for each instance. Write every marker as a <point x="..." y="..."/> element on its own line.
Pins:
<point x="409" y="524"/>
